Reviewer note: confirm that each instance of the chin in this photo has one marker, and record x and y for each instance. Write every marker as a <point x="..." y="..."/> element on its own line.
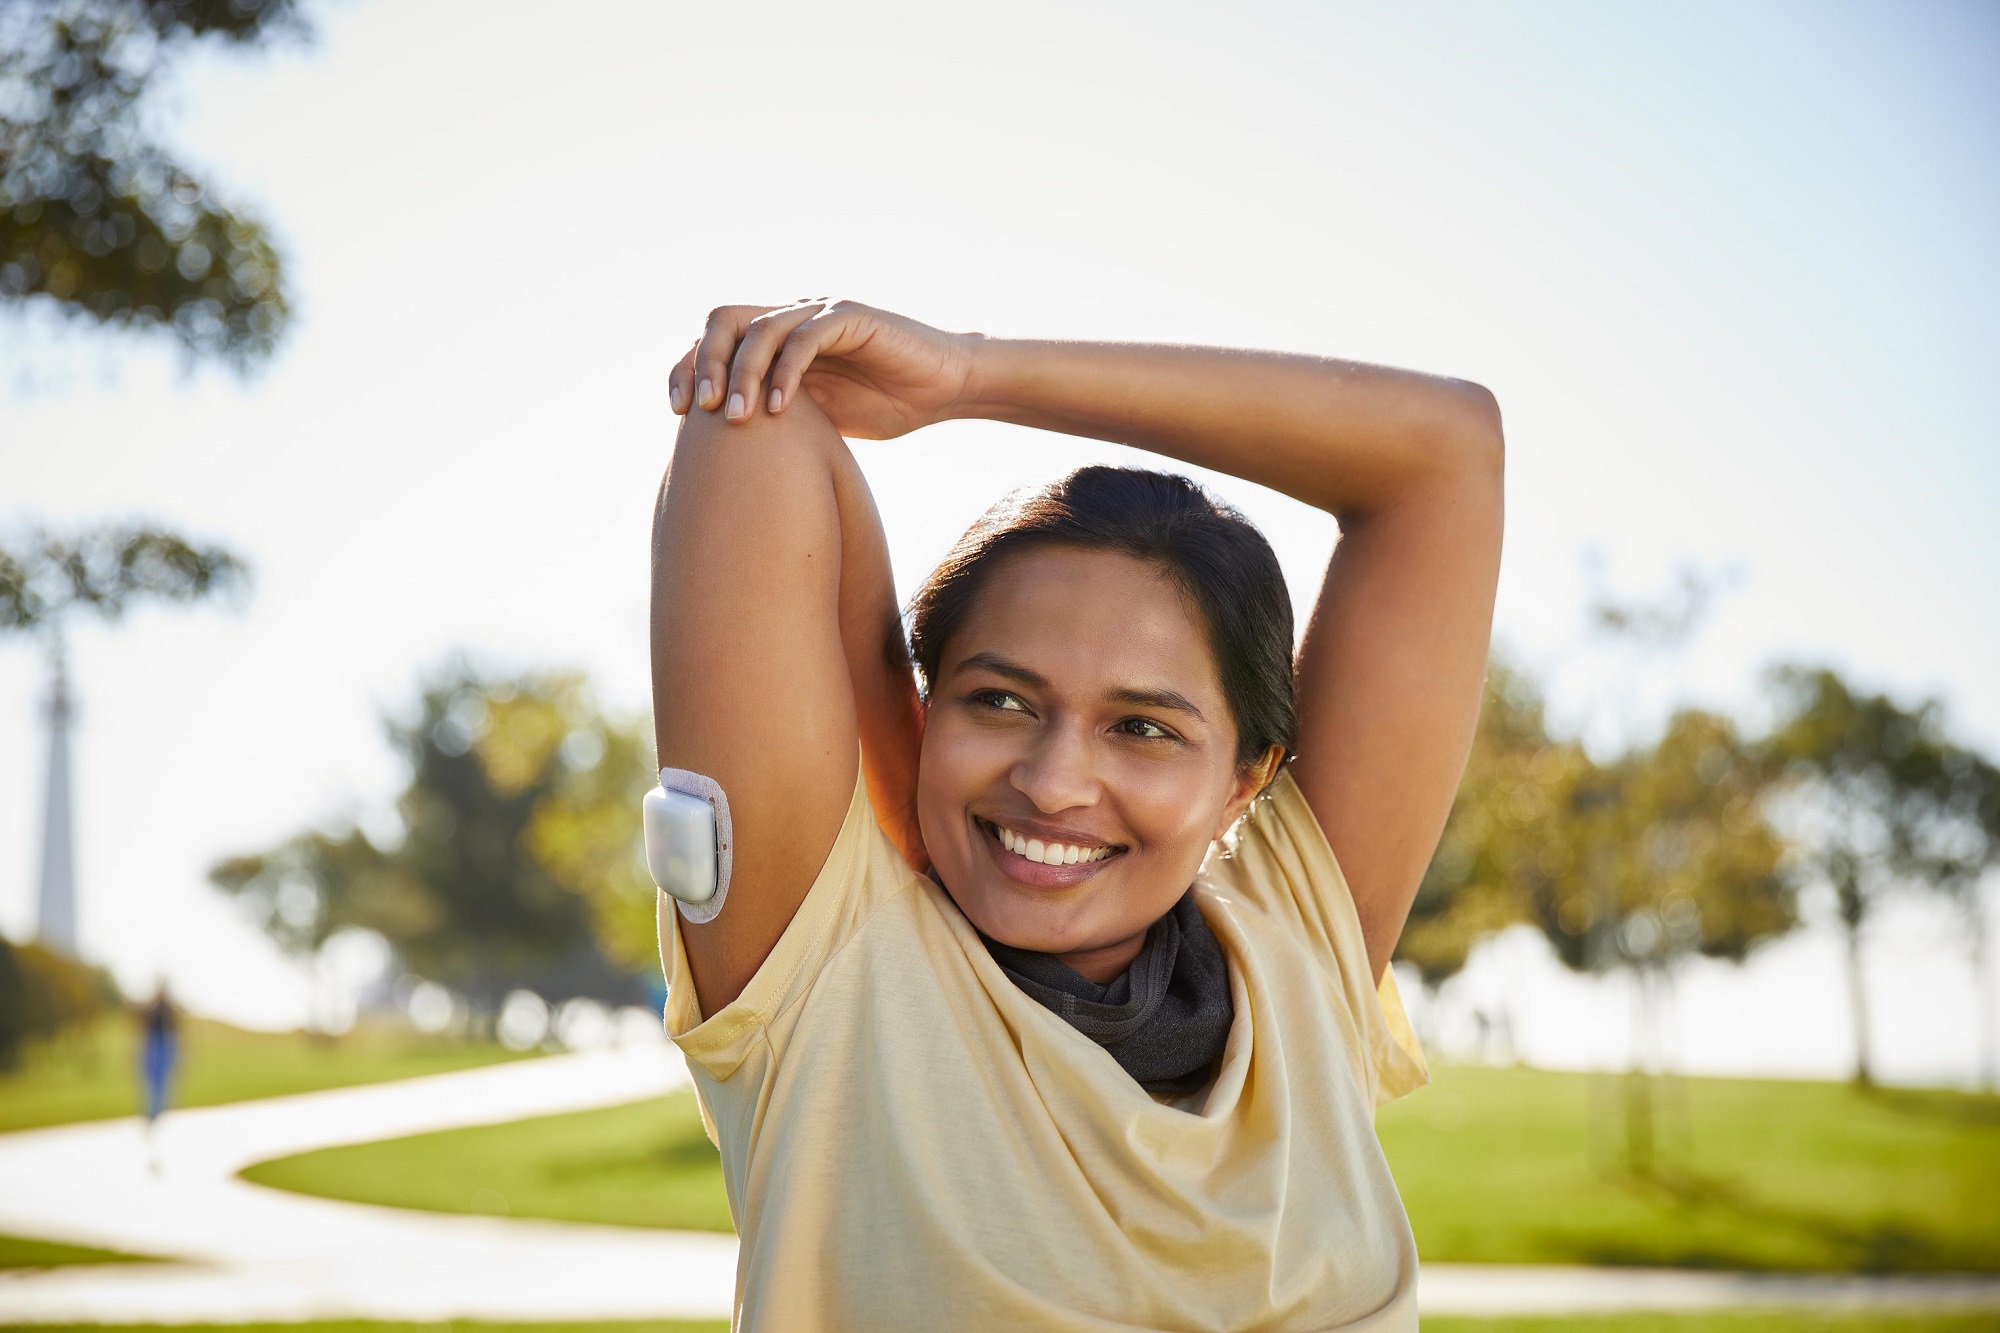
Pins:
<point x="1029" y="919"/>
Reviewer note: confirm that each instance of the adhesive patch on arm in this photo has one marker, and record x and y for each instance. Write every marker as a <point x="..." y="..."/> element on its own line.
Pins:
<point x="688" y="842"/>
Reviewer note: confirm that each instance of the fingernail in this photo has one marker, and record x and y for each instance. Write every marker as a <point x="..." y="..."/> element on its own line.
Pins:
<point x="674" y="397"/>
<point x="777" y="399"/>
<point x="705" y="395"/>
<point x="735" y="406"/>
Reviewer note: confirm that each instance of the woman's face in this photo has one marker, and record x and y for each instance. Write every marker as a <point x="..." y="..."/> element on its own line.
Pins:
<point x="1079" y="756"/>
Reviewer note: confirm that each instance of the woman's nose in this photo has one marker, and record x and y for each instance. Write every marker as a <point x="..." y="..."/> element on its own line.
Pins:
<point x="1057" y="774"/>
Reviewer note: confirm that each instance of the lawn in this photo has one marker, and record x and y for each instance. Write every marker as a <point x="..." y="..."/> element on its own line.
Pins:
<point x="1505" y="1165"/>
<point x="646" y="1164"/>
<point x="20" y="1252"/>
<point x="92" y="1075"/>
<point x="1495" y="1165"/>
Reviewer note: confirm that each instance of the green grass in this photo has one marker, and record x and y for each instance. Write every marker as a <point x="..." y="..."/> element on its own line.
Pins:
<point x="20" y="1252"/>
<point x="1500" y="1165"/>
<point x="1495" y="1166"/>
<point x="92" y="1074"/>
<point x="647" y="1164"/>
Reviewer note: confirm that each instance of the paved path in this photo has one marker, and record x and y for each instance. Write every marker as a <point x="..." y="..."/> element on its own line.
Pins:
<point x="1551" y="1289"/>
<point x="260" y="1254"/>
<point x="263" y="1254"/>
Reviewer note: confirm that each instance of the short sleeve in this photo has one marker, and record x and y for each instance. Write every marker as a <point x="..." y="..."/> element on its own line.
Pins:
<point x="860" y="868"/>
<point x="1279" y="861"/>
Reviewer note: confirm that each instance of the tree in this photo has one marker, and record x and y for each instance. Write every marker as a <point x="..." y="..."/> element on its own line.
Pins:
<point x="103" y="571"/>
<point x="516" y="864"/>
<point x="96" y="217"/>
<point x="1696" y="864"/>
<point x="1633" y="864"/>
<point x="1957" y="852"/>
<point x="1878" y="801"/>
<point x="1664" y="850"/>
<point x="43" y="993"/>
<point x="1505" y="839"/>
<point x="106" y="571"/>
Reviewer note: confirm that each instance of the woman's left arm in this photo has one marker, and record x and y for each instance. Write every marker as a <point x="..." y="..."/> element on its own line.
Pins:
<point x="1394" y="657"/>
<point x="1395" y="654"/>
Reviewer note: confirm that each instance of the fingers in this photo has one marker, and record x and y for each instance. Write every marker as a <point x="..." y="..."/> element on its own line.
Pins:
<point x="727" y="366"/>
<point x="798" y="352"/>
<point x="726" y="326"/>
<point x="761" y="340"/>
<point x="680" y="381"/>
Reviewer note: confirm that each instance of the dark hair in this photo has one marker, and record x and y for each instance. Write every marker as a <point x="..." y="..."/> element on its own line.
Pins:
<point x="1222" y="564"/>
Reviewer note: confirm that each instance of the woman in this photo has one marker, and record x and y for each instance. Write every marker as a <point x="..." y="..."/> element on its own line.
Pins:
<point x="991" y="1029"/>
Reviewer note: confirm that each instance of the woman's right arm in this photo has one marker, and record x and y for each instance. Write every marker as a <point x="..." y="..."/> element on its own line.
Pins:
<point x="776" y="648"/>
<point x="1411" y="465"/>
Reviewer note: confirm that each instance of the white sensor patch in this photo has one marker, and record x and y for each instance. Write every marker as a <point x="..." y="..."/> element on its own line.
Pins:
<point x="688" y="842"/>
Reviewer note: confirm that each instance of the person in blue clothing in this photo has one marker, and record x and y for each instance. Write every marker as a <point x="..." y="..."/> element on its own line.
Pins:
<point x="158" y="1050"/>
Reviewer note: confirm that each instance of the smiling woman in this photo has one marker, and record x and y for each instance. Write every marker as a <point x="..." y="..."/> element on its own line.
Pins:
<point x="1020" y="1021"/>
<point x="1105" y="636"/>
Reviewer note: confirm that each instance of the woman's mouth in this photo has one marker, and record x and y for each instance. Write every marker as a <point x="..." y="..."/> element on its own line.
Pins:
<point x="1042" y="862"/>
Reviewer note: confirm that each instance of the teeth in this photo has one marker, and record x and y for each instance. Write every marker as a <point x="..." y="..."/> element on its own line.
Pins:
<point x="1048" y="853"/>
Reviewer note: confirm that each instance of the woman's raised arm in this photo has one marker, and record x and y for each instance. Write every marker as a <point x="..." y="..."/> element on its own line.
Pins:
<point x="776" y="647"/>
<point x="1394" y="657"/>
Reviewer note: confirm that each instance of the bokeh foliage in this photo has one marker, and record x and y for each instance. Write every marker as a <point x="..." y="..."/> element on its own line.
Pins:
<point x="105" y="570"/>
<point x="43" y="993"/>
<point x="516" y="863"/>
<point x="1876" y="799"/>
<point x="1661" y="852"/>
<point x="1701" y="841"/>
<point x="96" y="216"/>
<point x="1501" y="848"/>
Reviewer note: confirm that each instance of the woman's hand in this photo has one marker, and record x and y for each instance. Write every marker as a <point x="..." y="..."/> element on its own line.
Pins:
<point x="874" y="374"/>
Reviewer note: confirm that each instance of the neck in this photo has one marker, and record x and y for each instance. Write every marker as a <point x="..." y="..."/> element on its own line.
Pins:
<point x="1105" y="964"/>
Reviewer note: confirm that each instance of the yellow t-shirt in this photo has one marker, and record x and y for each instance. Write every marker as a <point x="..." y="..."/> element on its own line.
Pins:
<point x="911" y="1141"/>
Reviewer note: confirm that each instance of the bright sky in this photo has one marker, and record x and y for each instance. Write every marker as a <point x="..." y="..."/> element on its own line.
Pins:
<point x="1730" y="270"/>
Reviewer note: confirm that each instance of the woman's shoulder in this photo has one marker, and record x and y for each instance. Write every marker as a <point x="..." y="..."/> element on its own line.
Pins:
<point x="862" y="872"/>
<point x="1276" y="851"/>
<point x="1277" y="867"/>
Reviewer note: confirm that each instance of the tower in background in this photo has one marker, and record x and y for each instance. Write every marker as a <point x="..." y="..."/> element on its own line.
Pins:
<point x="55" y="925"/>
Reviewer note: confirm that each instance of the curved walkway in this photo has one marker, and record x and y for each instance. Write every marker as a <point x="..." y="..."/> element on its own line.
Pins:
<point x="257" y="1254"/>
<point x="264" y="1254"/>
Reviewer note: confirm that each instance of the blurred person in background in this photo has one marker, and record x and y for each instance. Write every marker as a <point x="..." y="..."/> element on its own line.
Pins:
<point x="1055" y="993"/>
<point x="159" y="1048"/>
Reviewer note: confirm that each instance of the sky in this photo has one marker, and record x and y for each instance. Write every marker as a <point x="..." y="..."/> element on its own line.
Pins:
<point x="1730" y="271"/>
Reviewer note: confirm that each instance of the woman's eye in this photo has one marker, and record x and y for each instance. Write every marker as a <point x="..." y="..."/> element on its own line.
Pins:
<point x="1145" y="728"/>
<point x="999" y="699"/>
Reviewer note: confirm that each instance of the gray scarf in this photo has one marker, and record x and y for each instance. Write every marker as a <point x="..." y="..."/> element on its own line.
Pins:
<point x="1165" y="1021"/>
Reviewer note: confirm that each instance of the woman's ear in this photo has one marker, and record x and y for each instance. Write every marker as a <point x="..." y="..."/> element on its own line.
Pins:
<point x="1251" y="779"/>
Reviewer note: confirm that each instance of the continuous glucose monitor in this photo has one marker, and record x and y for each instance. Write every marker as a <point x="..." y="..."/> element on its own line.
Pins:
<point x="687" y="837"/>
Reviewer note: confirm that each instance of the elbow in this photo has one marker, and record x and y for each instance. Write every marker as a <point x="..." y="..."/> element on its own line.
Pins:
<point x="1477" y="438"/>
<point x="1457" y="443"/>
<point x="1454" y="437"/>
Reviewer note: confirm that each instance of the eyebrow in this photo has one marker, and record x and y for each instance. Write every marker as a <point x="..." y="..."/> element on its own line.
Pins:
<point x="1169" y="700"/>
